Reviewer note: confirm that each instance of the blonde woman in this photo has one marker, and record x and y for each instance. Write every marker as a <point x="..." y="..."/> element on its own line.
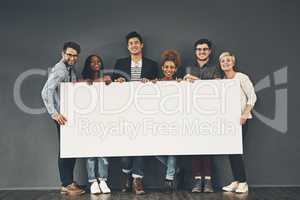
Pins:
<point x="248" y="98"/>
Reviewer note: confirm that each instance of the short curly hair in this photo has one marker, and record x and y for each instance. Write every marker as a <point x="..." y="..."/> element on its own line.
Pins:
<point x="72" y="45"/>
<point x="170" y="55"/>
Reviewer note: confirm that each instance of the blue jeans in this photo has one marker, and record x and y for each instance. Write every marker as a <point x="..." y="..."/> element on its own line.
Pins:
<point x="133" y="165"/>
<point x="93" y="173"/>
<point x="170" y="163"/>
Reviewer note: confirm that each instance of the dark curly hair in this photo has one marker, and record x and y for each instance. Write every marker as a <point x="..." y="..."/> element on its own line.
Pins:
<point x="203" y="41"/>
<point x="170" y="55"/>
<point x="87" y="72"/>
<point x="72" y="45"/>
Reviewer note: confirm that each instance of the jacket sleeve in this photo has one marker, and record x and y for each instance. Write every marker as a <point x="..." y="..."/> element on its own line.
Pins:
<point x="156" y="71"/>
<point x="116" y="71"/>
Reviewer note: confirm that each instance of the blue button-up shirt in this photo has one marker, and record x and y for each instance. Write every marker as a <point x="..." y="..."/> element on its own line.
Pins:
<point x="50" y="93"/>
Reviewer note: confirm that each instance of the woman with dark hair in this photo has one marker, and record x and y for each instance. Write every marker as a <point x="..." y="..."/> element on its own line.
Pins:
<point x="96" y="172"/>
<point x="248" y="98"/>
<point x="169" y="65"/>
<point x="92" y="70"/>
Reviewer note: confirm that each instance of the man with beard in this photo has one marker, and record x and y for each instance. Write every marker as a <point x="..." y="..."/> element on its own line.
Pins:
<point x="63" y="71"/>
<point x="203" y="68"/>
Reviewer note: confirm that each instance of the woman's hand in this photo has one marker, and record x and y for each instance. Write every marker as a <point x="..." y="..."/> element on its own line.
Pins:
<point x="120" y="80"/>
<point x="98" y="80"/>
<point x="107" y="79"/>
<point x="89" y="81"/>
<point x="179" y="79"/>
<point x="243" y="119"/>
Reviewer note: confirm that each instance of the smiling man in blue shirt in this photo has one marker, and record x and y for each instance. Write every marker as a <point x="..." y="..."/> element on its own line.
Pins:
<point x="63" y="71"/>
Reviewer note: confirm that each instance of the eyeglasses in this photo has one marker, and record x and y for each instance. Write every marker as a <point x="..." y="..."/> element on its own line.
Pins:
<point x="72" y="55"/>
<point x="202" y="49"/>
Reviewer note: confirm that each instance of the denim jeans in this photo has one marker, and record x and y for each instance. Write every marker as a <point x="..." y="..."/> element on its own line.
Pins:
<point x="133" y="165"/>
<point x="97" y="168"/>
<point x="170" y="163"/>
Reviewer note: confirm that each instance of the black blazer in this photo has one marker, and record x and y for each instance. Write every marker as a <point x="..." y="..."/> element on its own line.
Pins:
<point x="123" y="69"/>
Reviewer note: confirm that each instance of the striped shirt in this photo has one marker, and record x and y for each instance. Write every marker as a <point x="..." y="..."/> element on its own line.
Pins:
<point x="136" y="70"/>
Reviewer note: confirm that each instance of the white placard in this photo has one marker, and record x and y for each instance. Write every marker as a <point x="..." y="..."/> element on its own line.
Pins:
<point x="163" y="118"/>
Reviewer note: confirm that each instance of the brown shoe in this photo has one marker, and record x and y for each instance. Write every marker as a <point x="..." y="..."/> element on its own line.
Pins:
<point x="72" y="189"/>
<point x="126" y="182"/>
<point x="138" y="187"/>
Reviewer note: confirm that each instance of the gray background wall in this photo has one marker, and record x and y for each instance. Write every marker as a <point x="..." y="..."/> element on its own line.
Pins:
<point x="263" y="34"/>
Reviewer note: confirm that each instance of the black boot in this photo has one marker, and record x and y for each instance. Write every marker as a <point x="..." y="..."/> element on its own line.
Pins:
<point x="126" y="182"/>
<point x="169" y="186"/>
<point x="179" y="179"/>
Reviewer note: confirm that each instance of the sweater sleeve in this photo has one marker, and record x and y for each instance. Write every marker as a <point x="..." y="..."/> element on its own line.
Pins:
<point x="249" y="91"/>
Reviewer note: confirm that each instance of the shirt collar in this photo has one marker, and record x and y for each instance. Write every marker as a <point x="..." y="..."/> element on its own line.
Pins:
<point x="136" y="64"/>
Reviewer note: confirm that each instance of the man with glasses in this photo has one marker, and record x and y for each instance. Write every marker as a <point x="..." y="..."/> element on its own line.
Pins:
<point x="63" y="71"/>
<point x="203" y="68"/>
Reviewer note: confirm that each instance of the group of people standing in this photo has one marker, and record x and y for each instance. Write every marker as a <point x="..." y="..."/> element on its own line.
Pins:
<point x="136" y="67"/>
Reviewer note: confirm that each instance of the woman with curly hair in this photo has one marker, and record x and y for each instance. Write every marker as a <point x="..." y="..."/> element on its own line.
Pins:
<point x="169" y="65"/>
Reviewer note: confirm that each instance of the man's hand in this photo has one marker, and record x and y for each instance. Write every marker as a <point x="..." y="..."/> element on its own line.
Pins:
<point x="190" y="78"/>
<point x="154" y="80"/>
<point x="120" y="80"/>
<point x="145" y="80"/>
<point x="61" y="120"/>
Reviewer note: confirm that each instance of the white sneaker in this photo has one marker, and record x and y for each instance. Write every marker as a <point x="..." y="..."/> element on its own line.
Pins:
<point x="95" y="189"/>
<point x="104" y="188"/>
<point x="231" y="187"/>
<point x="242" y="188"/>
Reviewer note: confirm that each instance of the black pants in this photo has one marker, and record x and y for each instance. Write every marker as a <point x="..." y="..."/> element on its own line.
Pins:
<point x="201" y="165"/>
<point x="237" y="160"/>
<point x="65" y="165"/>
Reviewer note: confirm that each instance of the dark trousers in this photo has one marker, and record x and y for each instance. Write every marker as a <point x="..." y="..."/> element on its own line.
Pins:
<point x="133" y="165"/>
<point x="237" y="161"/>
<point x="201" y="165"/>
<point x="65" y="165"/>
